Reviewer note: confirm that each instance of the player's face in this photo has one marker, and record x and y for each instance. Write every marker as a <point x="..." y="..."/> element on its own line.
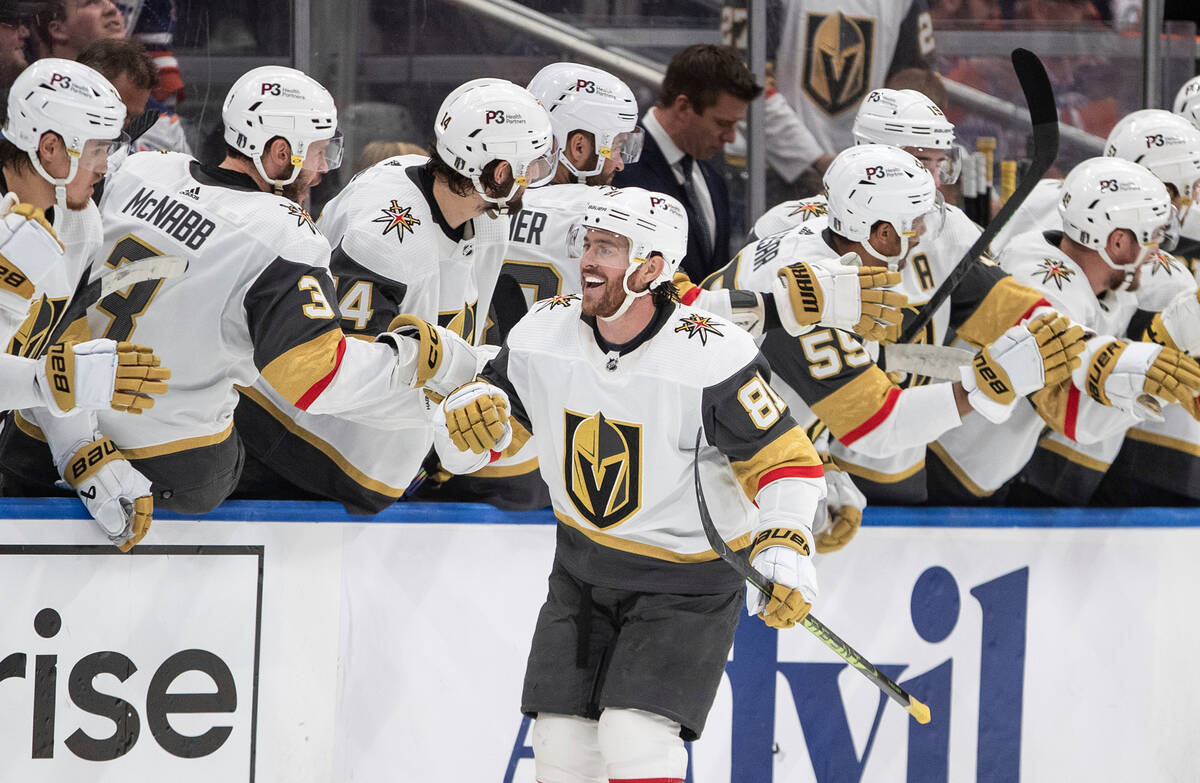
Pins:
<point x="706" y="133"/>
<point x="602" y="271"/>
<point x="934" y="160"/>
<point x="605" y="177"/>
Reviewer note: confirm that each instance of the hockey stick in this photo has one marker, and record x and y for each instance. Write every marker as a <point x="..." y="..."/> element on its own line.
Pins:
<point x="154" y="268"/>
<point x="1043" y="114"/>
<point x="741" y="564"/>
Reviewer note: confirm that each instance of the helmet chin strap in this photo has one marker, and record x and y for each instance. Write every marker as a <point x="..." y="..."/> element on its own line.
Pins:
<point x="630" y="296"/>
<point x="60" y="184"/>
<point x="893" y="262"/>
<point x="277" y="185"/>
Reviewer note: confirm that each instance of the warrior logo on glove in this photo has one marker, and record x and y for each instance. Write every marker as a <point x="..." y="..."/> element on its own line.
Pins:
<point x="603" y="467"/>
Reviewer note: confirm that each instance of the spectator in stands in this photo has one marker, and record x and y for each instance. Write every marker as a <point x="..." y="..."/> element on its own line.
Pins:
<point x="150" y="124"/>
<point x="376" y="151"/>
<point x="14" y="33"/>
<point x="67" y="27"/>
<point x="706" y="92"/>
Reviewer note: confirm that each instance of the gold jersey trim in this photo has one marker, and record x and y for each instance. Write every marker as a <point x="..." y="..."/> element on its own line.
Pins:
<point x="1166" y="441"/>
<point x="958" y="472"/>
<point x="353" y="473"/>
<point x="849" y="406"/>
<point x="878" y="476"/>
<point x="791" y="448"/>
<point x="1001" y="307"/>
<point x="505" y="471"/>
<point x="183" y="444"/>
<point x="648" y="550"/>
<point x="295" y="371"/>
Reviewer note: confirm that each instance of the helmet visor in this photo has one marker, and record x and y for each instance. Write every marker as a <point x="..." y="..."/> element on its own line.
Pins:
<point x="944" y="163"/>
<point x="927" y="226"/>
<point x="540" y="170"/>
<point x="601" y="247"/>
<point x="324" y="155"/>
<point x="625" y="147"/>
<point x="95" y="153"/>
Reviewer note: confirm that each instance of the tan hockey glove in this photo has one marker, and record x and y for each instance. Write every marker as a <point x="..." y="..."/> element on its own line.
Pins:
<point x="477" y="418"/>
<point x="838" y="294"/>
<point x="115" y="493"/>
<point x="782" y="555"/>
<point x="99" y="374"/>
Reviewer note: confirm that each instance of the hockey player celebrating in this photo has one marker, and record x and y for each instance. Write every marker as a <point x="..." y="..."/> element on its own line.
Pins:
<point x="64" y="119"/>
<point x="882" y="209"/>
<point x="1062" y="470"/>
<point x="633" y="638"/>
<point x="418" y="236"/>
<point x="257" y="299"/>
<point x="1113" y="215"/>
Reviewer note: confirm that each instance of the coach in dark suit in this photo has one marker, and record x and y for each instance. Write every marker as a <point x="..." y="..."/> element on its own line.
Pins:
<point x="706" y="92"/>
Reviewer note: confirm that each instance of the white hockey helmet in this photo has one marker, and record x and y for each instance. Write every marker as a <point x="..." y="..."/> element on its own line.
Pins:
<point x="654" y="223"/>
<point x="909" y="119"/>
<point x="1102" y="195"/>
<point x="486" y="120"/>
<point x="276" y="101"/>
<point x="1187" y="101"/>
<point x="1165" y="143"/>
<point x="580" y="97"/>
<point x="72" y="100"/>
<point x="875" y="182"/>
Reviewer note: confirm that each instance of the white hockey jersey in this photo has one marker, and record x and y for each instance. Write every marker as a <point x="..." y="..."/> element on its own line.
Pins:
<point x="831" y="53"/>
<point x="616" y="434"/>
<point x="984" y="456"/>
<point x="393" y="253"/>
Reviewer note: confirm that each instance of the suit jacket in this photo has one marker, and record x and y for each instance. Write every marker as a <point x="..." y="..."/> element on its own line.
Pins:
<point x="652" y="172"/>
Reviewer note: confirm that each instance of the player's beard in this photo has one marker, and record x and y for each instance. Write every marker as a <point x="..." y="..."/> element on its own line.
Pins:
<point x="604" y="301"/>
<point x="298" y="189"/>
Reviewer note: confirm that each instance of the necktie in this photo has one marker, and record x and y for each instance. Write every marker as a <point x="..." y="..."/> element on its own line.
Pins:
<point x="697" y="211"/>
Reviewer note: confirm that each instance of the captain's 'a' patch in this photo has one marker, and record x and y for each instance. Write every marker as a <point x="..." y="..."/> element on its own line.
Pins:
<point x="602" y="467"/>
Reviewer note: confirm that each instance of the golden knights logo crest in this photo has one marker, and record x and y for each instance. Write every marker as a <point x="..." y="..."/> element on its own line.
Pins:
<point x="558" y="300"/>
<point x="1054" y="271"/>
<point x="302" y="217"/>
<point x="397" y="219"/>
<point x="808" y="210"/>
<point x="33" y="335"/>
<point x="603" y="467"/>
<point x="837" y="71"/>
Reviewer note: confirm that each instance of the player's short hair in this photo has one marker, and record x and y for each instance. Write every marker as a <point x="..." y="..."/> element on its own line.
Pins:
<point x="115" y="56"/>
<point x="925" y="81"/>
<point x="458" y="184"/>
<point x="702" y="72"/>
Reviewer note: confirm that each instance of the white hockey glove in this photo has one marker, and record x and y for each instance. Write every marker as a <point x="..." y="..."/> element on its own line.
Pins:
<point x="1178" y="325"/>
<point x="29" y="249"/>
<point x="444" y="360"/>
<point x="839" y="518"/>
<point x="99" y="374"/>
<point x="1021" y="361"/>
<point x="116" y="495"/>
<point x="1138" y="377"/>
<point x="840" y="294"/>
<point x="783" y="555"/>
